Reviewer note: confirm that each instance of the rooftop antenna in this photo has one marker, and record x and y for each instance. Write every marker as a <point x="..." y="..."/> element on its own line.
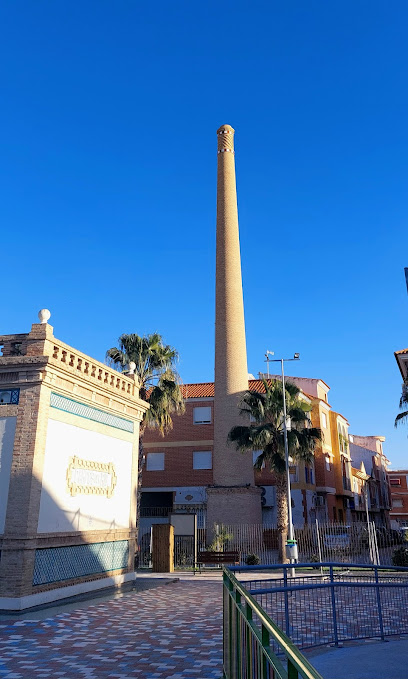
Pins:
<point x="406" y="276"/>
<point x="268" y="360"/>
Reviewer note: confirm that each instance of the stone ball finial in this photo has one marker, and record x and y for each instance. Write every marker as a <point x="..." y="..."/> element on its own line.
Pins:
<point x="44" y="315"/>
<point x="132" y="368"/>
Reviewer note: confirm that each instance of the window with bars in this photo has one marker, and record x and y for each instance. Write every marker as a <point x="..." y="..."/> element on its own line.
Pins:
<point x="9" y="396"/>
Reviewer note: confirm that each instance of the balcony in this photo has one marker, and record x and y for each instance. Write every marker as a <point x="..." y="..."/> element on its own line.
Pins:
<point x="164" y="512"/>
<point x="155" y="512"/>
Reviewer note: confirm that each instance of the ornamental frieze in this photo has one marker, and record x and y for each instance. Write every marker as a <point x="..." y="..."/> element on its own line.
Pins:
<point x="88" y="477"/>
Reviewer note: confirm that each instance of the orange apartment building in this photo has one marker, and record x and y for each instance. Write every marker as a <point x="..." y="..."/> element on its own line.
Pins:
<point x="178" y="467"/>
<point x="398" y="481"/>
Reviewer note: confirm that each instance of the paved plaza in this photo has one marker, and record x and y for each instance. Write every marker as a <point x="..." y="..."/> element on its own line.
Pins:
<point x="367" y="660"/>
<point x="166" y="629"/>
<point x="172" y="631"/>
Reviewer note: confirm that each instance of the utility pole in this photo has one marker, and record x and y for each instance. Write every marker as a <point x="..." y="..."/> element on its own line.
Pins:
<point x="291" y="546"/>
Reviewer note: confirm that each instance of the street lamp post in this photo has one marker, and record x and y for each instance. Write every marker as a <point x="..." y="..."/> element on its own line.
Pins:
<point x="291" y="547"/>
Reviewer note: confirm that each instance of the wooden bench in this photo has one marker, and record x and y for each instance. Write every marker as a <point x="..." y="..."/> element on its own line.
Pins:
<point x="217" y="558"/>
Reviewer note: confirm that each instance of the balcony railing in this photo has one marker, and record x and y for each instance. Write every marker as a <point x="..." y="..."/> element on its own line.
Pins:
<point x="254" y="647"/>
<point x="154" y="512"/>
<point x="163" y="512"/>
<point x="379" y="595"/>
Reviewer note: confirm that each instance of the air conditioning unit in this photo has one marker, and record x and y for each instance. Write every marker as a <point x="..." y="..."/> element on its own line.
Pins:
<point x="268" y="496"/>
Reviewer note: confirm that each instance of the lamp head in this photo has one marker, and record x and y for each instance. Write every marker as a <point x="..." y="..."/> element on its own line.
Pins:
<point x="296" y="357"/>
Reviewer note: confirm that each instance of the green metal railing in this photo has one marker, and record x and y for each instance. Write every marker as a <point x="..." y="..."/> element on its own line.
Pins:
<point x="254" y="647"/>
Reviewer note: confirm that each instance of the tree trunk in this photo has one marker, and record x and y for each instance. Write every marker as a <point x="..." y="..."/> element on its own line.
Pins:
<point x="139" y="483"/>
<point x="282" y="515"/>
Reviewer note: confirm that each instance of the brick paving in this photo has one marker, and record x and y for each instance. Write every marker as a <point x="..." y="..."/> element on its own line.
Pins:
<point x="173" y="631"/>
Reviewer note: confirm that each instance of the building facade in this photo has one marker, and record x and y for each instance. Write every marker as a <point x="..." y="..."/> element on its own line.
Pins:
<point x="369" y="451"/>
<point x="361" y="493"/>
<point x="398" y="481"/>
<point x="178" y="468"/>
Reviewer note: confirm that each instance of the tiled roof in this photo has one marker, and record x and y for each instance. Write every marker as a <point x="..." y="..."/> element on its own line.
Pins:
<point x="401" y="351"/>
<point x="200" y="390"/>
<point x="206" y="389"/>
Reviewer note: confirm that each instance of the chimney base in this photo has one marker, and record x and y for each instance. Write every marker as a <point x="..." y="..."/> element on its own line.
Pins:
<point x="232" y="506"/>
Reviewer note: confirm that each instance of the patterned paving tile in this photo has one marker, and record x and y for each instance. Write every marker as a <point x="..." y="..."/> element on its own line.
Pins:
<point x="170" y="632"/>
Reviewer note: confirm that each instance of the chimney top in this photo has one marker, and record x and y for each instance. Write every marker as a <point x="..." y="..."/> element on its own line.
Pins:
<point x="225" y="129"/>
<point x="225" y="135"/>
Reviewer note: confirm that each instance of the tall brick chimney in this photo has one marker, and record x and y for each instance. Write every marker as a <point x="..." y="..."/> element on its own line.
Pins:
<point x="234" y="497"/>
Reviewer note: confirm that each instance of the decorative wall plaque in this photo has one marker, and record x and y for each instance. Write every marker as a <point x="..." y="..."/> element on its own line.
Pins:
<point x="87" y="477"/>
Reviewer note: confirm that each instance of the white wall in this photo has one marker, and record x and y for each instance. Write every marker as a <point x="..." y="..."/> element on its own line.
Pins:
<point x="7" y="432"/>
<point x="59" y="511"/>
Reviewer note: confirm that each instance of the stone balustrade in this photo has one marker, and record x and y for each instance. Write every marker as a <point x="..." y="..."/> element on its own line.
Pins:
<point x="94" y="371"/>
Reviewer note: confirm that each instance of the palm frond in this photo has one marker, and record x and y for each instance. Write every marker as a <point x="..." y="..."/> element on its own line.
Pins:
<point x="159" y="382"/>
<point x="404" y="395"/>
<point x="272" y="459"/>
<point x="254" y="437"/>
<point x="402" y="404"/>
<point x="253" y="404"/>
<point x="401" y="417"/>
<point x="266" y="433"/>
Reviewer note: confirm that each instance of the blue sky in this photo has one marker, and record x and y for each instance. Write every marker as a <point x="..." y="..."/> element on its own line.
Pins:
<point x="108" y="177"/>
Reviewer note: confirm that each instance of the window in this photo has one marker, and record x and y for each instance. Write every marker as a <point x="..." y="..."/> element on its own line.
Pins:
<point x="9" y="396"/>
<point x="255" y="455"/>
<point x="16" y="349"/>
<point x="395" y="482"/>
<point x="202" y="415"/>
<point x="327" y="459"/>
<point x="308" y="474"/>
<point x="202" y="460"/>
<point x="155" y="462"/>
<point x="293" y="471"/>
<point x="324" y="420"/>
<point x="397" y="503"/>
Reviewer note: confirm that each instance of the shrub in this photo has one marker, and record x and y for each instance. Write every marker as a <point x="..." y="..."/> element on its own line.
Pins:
<point x="252" y="560"/>
<point x="221" y="539"/>
<point x="400" y="556"/>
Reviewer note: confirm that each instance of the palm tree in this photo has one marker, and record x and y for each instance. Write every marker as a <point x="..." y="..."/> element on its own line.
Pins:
<point x="265" y="433"/>
<point x="401" y="417"/>
<point x="159" y="385"/>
